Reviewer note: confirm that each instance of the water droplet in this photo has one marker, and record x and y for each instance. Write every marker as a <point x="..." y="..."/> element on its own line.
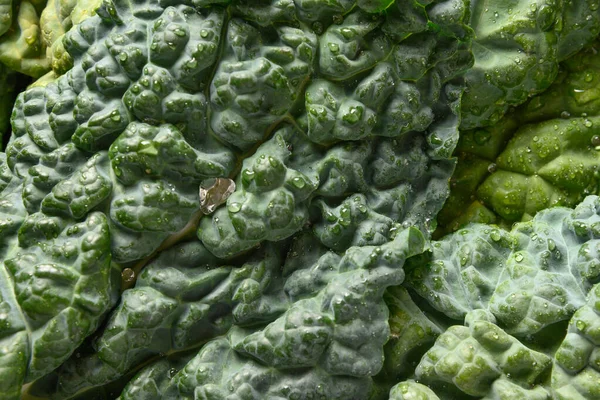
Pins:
<point x="234" y="207"/>
<point x="353" y="115"/>
<point x="333" y="47"/>
<point x="191" y="63"/>
<point x="495" y="235"/>
<point x="298" y="182"/>
<point x="214" y="192"/>
<point x="248" y="175"/>
<point x="128" y="275"/>
<point x="519" y="257"/>
<point x="330" y="217"/>
<point x="492" y="168"/>
<point x="348" y="33"/>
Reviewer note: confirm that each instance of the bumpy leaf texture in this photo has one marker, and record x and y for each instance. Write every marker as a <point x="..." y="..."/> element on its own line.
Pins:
<point x="146" y="115"/>
<point x="529" y="278"/>
<point x="326" y="344"/>
<point x="412" y="332"/>
<point x="57" y="284"/>
<point x="412" y="390"/>
<point x="337" y="122"/>
<point x="576" y="369"/>
<point x="32" y="33"/>
<point x="545" y="153"/>
<point x="517" y="49"/>
<point x="515" y="291"/>
<point x="480" y="359"/>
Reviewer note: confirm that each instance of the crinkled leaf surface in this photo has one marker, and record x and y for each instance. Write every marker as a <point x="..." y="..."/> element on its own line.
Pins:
<point x="516" y="292"/>
<point x="152" y="107"/>
<point x="412" y="332"/>
<point x="326" y="344"/>
<point x="327" y="315"/>
<point x="534" y="276"/>
<point x="480" y="359"/>
<point x="517" y="49"/>
<point x="57" y="18"/>
<point x="57" y="285"/>
<point x="412" y="390"/>
<point x="32" y="33"/>
<point x="180" y="300"/>
<point x="337" y="123"/>
<point x="543" y="154"/>
<point x="576" y="369"/>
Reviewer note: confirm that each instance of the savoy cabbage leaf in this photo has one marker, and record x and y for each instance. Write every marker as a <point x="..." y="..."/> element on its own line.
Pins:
<point x="57" y="285"/>
<point x="534" y="276"/>
<point x="327" y="343"/>
<point x="319" y="117"/>
<point x="31" y="34"/>
<point x="576" y="366"/>
<point x="517" y="48"/>
<point x="542" y="154"/>
<point x="265" y="176"/>
<point x="148" y="114"/>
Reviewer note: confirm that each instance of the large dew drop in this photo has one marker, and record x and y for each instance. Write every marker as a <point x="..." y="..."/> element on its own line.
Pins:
<point x="128" y="275"/>
<point x="214" y="192"/>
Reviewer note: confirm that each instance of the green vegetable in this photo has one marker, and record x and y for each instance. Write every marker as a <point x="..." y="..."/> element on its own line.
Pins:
<point x="32" y="43"/>
<point x="151" y="117"/>
<point x="517" y="48"/>
<point x="515" y="291"/>
<point x="576" y="362"/>
<point x="529" y="278"/>
<point x="327" y="343"/>
<point x="411" y="390"/>
<point x="165" y="103"/>
<point x="482" y="360"/>
<point x="226" y="200"/>
<point x="412" y="332"/>
<point x="57" y="284"/>
<point x="58" y="17"/>
<point x="180" y="300"/>
<point x="543" y="154"/>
